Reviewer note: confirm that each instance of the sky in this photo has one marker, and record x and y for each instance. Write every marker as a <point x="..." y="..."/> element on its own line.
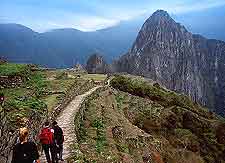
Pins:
<point x="91" y="15"/>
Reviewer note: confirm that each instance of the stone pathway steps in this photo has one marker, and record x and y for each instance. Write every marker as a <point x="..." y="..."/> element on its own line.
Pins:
<point x="66" y="122"/>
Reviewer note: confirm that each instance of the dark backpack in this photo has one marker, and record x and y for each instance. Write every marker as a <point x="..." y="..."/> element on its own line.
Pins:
<point x="58" y="135"/>
<point x="46" y="136"/>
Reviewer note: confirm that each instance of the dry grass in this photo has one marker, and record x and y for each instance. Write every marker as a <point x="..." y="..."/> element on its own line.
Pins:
<point x="95" y="77"/>
<point x="51" y="101"/>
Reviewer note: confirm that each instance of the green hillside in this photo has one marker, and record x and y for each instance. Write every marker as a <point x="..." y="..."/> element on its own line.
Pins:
<point x="139" y="121"/>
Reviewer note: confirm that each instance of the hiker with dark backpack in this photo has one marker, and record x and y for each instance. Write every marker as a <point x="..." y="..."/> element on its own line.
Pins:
<point x="58" y="139"/>
<point x="47" y="140"/>
<point x="25" y="151"/>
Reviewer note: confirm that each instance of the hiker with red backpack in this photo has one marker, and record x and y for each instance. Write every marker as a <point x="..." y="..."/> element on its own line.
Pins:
<point x="47" y="140"/>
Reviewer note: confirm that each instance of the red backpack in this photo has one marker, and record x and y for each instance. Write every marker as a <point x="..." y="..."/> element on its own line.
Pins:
<point x="46" y="136"/>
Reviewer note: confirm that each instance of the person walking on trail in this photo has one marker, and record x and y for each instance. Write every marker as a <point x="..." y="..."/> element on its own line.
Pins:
<point x="25" y="151"/>
<point x="58" y="138"/>
<point x="47" y="140"/>
<point x="2" y="98"/>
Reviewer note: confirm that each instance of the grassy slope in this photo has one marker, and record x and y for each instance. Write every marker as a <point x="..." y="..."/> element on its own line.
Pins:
<point x="115" y="126"/>
<point x="95" y="77"/>
<point x="43" y="91"/>
<point x="13" y="69"/>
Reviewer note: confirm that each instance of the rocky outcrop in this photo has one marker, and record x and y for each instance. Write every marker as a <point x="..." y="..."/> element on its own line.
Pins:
<point x="96" y="64"/>
<point x="166" y="52"/>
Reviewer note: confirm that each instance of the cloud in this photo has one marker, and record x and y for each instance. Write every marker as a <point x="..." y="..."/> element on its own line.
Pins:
<point x="90" y="15"/>
<point x="92" y="23"/>
<point x="83" y="23"/>
<point x="196" y="6"/>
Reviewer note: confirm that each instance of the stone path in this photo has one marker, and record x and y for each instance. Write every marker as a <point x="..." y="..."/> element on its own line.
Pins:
<point x="66" y="122"/>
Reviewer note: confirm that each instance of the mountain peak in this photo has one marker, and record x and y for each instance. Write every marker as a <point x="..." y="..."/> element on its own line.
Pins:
<point x="160" y="13"/>
<point x="157" y="28"/>
<point x="166" y="52"/>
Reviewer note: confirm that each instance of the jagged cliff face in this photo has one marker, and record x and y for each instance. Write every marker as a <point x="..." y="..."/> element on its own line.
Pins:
<point x="96" y="64"/>
<point x="165" y="51"/>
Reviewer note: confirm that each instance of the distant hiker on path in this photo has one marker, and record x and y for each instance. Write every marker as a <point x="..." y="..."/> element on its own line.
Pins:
<point x="25" y="152"/>
<point x="2" y="98"/>
<point x="47" y="140"/>
<point x="58" y="139"/>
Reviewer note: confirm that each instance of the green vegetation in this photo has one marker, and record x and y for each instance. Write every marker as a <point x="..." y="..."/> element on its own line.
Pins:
<point x="182" y="132"/>
<point x="119" y="100"/>
<point x="61" y="85"/>
<point x="23" y="102"/>
<point x="24" y="109"/>
<point x="51" y="101"/>
<point x="40" y="92"/>
<point x="101" y="137"/>
<point x="142" y="88"/>
<point x="142" y="122"/>
<point x="38" y="83"/>
<point x="11" y="69"/>
<point x="160" y="112"/>
<point x="27" y="103"/>
<point x="31" y="96"/>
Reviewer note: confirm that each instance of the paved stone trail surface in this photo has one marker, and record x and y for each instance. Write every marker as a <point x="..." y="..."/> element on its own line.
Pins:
<point x="66" y="122"/>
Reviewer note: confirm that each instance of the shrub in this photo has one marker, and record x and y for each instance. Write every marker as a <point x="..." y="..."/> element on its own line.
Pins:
<point x="101" y="135"/>
<point x="144" y="89"/>
<point x="11" y="69"/>
<point x="38" y="83"/>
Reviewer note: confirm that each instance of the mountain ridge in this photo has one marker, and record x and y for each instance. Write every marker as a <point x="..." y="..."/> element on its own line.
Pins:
<point x="166" y="52"/>
<point x="64" y="46"/>
<point x="111" y="42"/>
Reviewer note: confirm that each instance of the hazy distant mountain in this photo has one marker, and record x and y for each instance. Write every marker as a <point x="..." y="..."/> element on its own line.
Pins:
<point x="63" y="47"/>
<point x="17" y="42"/>
<point x="208" y="23"/>
<point x="66" y="47"/>
<point x="166" y="52"/>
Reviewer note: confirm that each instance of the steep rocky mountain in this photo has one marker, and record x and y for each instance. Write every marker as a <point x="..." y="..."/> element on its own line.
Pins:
<point x="166" y="52"/>
<point x="68" y="46"/>
<point x="96" y="64"/>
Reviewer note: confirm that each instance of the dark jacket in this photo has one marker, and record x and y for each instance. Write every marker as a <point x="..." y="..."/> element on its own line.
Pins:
<point x="58" y="135"/>
<point x="25" y="153"/>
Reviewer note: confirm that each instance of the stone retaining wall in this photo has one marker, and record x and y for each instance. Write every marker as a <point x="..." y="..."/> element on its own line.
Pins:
<point x="8" y="136"/>
<point x="10" y="81"/>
